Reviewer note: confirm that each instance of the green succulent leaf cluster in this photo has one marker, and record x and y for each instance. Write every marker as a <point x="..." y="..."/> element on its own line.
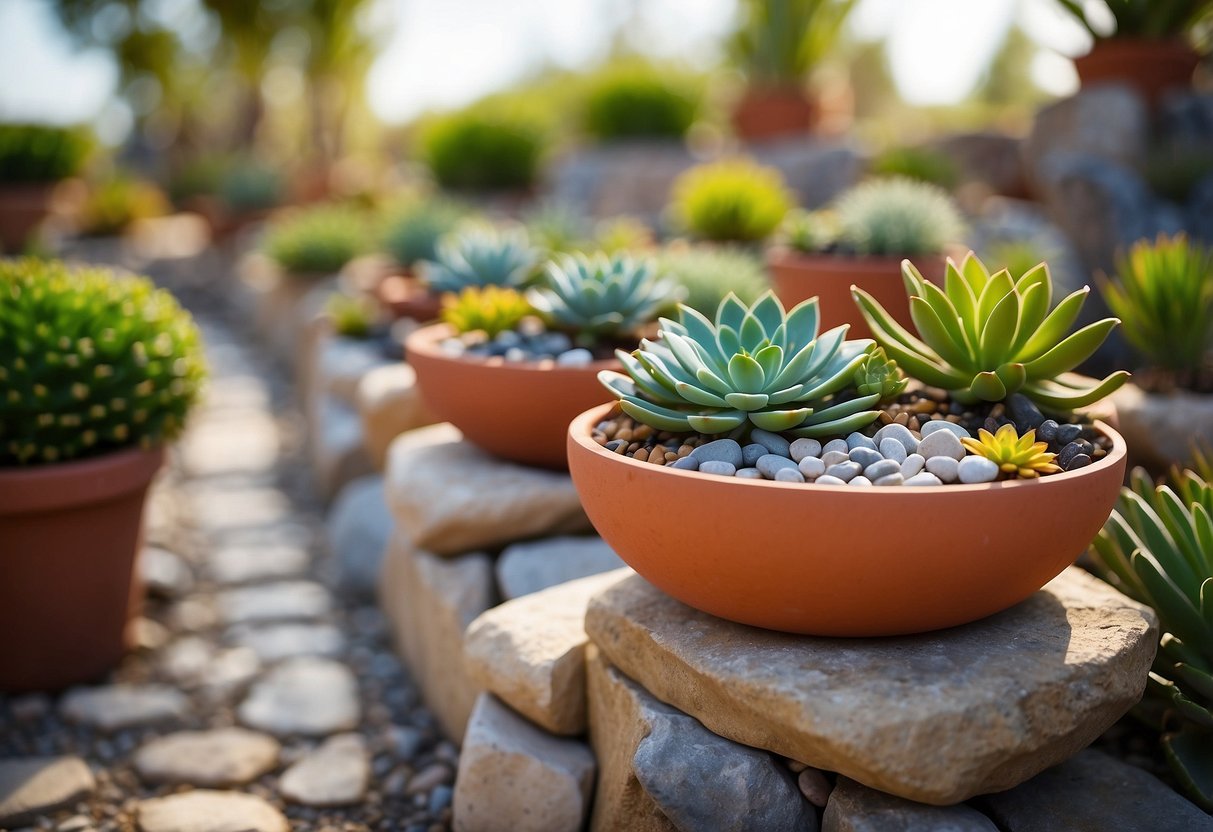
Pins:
<point x="880" y="374"/>
<point x="809" y="232"/>
<point x="352" y="316"/>
<point x="733" y="200"/>
<point x="1142" y="18"/>
<point x="488" y="309"/>
<point x="985" y="336"/>
<point x="897" y="217"/>
<point x="1015" y="455"/>
<point x="921" y="164"/>
<point x="316" y="241"/>
<point x="90" y="362"/>
<point x="757" y="366"/>
<point x="38" y="153"/>
<point x="1163" y="292"/>
<point x="599" y="297"/>
<point x="1157" y="547"/>
<point x="481" y="255"/>
<point x="412" y="228"/>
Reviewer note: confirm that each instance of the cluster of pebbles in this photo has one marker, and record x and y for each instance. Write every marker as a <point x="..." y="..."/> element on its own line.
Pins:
<point x="530" y="342"/>
<point x="916" y="442"/>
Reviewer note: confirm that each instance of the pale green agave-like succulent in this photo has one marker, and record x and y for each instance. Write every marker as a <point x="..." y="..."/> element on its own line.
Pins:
<point x="985" y="336"/>
<point x="477" y="255"/>
<point x="602" y="296"/>
<point x="759" y="366"/>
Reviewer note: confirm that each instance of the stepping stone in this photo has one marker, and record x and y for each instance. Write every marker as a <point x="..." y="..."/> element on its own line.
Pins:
<point x="936" y="718"/>
<point x="223" y="511"/>
<point x="856" y="808"/>
<point x="1094" y="792"/>
<point x="335" y="774"/>
<point x="452" y="497"/>
<point x="358" y="529"/>
<point x="243" y="563"/>
<point x="235" y="442"/>
<point x="210" y="811"/>
<point x="222" y="757"/>
<point x="114" y="707"/>
<point x="514" y="776"/>
<point x="529" y="567"/>
<point x="389" y="403"/>
<point x="273" y="602"/>
<point x="32" y="787"/>
<point x="430" y="601"/>
<point x="274" y="642"/>
<point x="308" y="696"/>
<point x="164" y="572"/>
<point x="530" y="652"/>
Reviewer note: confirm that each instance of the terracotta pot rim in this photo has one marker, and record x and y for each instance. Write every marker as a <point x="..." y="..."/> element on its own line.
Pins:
<point x="858" y="262"/>
<point x="78" y="482"/>
<point x="579" y="433"/>
<point x="425" y="340"/>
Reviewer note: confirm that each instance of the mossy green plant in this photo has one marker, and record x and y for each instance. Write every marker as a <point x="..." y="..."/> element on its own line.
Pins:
<point x="732" y="200"/>
<point x="639" y="101"/>
<point x="316" y="241"/>
<point x="39" y="153"/>
<point x="488" y="309"/>
<point x="484" y="148"/>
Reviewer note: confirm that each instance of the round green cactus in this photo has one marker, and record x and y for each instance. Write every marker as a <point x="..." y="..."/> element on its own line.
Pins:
<point x="90" y="362"/>
<point x="316" y="241"/>
<point x="897" y="217"/>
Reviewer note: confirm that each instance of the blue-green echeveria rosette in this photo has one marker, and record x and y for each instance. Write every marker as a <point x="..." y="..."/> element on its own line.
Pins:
<point x="756" y="366"/>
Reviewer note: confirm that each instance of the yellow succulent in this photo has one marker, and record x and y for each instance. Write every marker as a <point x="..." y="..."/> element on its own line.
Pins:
<point x="1015" y="455"/>
<point x="488" y="309"/>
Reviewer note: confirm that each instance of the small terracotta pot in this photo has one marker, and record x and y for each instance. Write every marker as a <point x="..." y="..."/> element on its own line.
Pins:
<point x="517" y="410"/>
<point x="1149" y="66"/>
<point x="829" y="277"/>
<point x="772" y="112"/>
<point x="69" y="536"/>
<point x="407" y="297"/>
<point x="835" y="560"/>
<point x="22" y="209"/>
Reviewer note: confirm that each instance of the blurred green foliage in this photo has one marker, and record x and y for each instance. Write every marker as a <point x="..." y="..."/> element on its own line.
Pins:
<point x="412" y="227"/>
<point x="778" y="42"/>
<point x="485" y="147"/>
<point x="317" y="240"/>
<point x="118" y="200"/>
<point x="39" y="153"/>
<point x="734" y="200"/>
<point x="636" y="100"/>
<point x="921" y="164"/>
<point x="709" y="273"/>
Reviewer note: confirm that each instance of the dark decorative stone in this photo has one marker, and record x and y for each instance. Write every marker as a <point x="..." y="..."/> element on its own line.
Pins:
<point x="1024" y="412"/>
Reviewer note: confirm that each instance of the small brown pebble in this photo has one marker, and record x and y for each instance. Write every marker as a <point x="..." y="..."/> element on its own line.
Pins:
<point x="685" y="450"/>
<point x="641" y="453"/>
<point x="624" y="433"/>
<point x="796" y="766"/>
<point x="671" y="456"/>
<point x="814" y="786"/>
<point x="903" y="418"/>
<point x="936" y="393"/>
<point x="1098" y="453"/>
<point x="884" y="417"/>
<point x="998" y="410"/>
<point x="642" y="432"/>
<point x="923" y="406"/>
<point x="657" y="458"/>
<point x="633" y="447"/>
<point x="600" y="438"/>
<point x="953" y="418"/>
<point x="913" y="424"/>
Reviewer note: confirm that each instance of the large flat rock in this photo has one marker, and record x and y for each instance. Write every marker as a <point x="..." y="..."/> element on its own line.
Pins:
<point x="530" y="652"/>
<point x="203" y="810"/>
<point x="34" y="786"/>
<point x="357" y="530"/>
<point x="452" y="497"/>
<point x="216" y="758"/>
<point x="303" y="696"/>
<point x="389" y="403"/>
<point x="936" y="718"/>
<point x="538" y="564"/>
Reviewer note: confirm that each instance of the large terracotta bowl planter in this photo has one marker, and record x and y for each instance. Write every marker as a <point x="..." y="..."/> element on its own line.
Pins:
<point x="22" y="209"/>
<point x="1149" y="66"/>
<point x="829" y="277"/>
<point x="405" y="296"/>
<point x="69" y="536"/>
<point x="517" y="410"/>
<point x="834" y="560"/>
<point x="772" y="112"/>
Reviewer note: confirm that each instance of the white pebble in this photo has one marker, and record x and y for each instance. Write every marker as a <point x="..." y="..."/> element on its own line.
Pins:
<point x="942" y="424"/>
<point x="899" y="432"/>
<point x="845" y="471"/>
<point x="941" y="443"/>
<point x="835" y="445"/>
<point x="788" y="475"/>
<point x="912" y="465"/>
<point x="575" y="358"/>
<point x="749" y="474"/>
<point x="802" y="448"/>
<point x="828" y="480"/>
<point x="891" y="479"/>
<point x="718" y="467"/>
<point x="861" y="482"/>
<point x="925" y="478"/>
<point x="858" y="440"/>
<point x="977" y="469"/>
<point x="943" y="467"/>
<point x="891" y="448"/>
<point x="834" y="457"/>
<point x="812" y="467"/>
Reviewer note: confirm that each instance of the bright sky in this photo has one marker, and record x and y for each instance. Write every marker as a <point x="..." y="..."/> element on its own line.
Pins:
<point x="443" y="53"/>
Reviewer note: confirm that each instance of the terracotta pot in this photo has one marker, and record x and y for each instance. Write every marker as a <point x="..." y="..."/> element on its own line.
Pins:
<point x="835" y="560"/>
<point x="517" y="410"/>
<point x="22" y="209"/>
<point x="69" y="536"/>
<point x="829" y="277"/>
<point x="772" y="112"/>
<point x="1149" y="66"/>
<point x="406" y="297"/>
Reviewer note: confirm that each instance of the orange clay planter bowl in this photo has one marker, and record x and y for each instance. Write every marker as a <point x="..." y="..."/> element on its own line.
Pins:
<point x="1151" y="67"/>
<point x="797" y="277"/>
<point x="517" y="410"/>
<point x="834" y="560"/>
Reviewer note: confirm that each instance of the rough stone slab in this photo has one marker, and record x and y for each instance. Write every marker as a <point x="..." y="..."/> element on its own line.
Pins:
<point x="275" y="642"/>
<point x="238" y="443"/>
<point x="34" y="786"/>
<point x="453" y="498"/>
<point x="936" y="718"/>
<point x="1160" y="427"/>
<point x="218" y="758"/>
<point x="538" y="564"/>
<point x="358" y="528"/>
<point x="114" y="707"/>
<point x="856" y="808"/>
<point x="389" y="403"/>
<point x="203" y="810"/>
<point x="1109" y="121"/>
<point x="305" y="696"/>
<point x="225" y="512"/>
<point x="430" y="601"/>
<point x="273" y="602"/>
<point x="530" y="652"/>
<point x="238" y="563"/>
<point x="334" y="444"/>
<point x="515" y="776"/>
<point x="702" y="781"/>
<point x="620" y="717"/>
<point x="341" y="363"/>
<point x="335" y="774"/>
<point x="1094" y="792"/>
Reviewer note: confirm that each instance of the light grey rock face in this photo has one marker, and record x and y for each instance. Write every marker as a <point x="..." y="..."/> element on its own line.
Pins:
<point x="238" y="563"/>
<point x="1107" y="122"/>
<point x="936" y="718"/>
<point x="210" y="811"/>
<point x="1092" y="793"/>
<point x="702" y="781"/>
<point x="389" y="403"/>
<point x="273" y="602"/>
<point x="450" y="497"/>
<point x="335" y="448"/>
<point x="222" y="757"/>
<point x="229" y="513"/>
<point x="856" y="808"/>
<point x="1159" y="427"/>
<point x="529" y="567"/>
<point x="990" y="157"/>
<point x="164" y="572"/>
<point x="515" y="776"/>
<point x="358" y="528"/>
<point x="335" y="774"/>
<point x="305" y="696"/>
<point x="274" y="642"/>
<point x="114" y="707"/>
<point x="34" y="786"/>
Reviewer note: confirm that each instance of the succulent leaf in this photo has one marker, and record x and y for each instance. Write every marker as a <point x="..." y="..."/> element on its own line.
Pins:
<point x="1015" y="455"/>
<point x="480" y="255"/>
<point x="488" y="309"/>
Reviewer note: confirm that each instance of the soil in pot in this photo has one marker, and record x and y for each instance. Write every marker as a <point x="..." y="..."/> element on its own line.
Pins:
<point x="1149" y="66"/>
<point x="69" y="536"/>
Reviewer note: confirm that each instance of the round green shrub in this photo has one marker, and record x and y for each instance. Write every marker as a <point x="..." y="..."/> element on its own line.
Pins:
<point x="318" y="240"/>
<point x="638" y="102"/>
<point x="90" y="362"/>
<point x="411" y="229"/>
<point x="483" y="149"/>
<point x="114" y="203"/>
<point x="734" y="200"/>
<point x="710" y="273"/>
<point x="897" y="217"/>
<point x="38" y="153"/>
<point x="922" y="164"/>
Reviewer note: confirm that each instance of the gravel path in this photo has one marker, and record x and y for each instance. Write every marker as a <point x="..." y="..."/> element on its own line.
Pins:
<point x="255" y="675"/>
